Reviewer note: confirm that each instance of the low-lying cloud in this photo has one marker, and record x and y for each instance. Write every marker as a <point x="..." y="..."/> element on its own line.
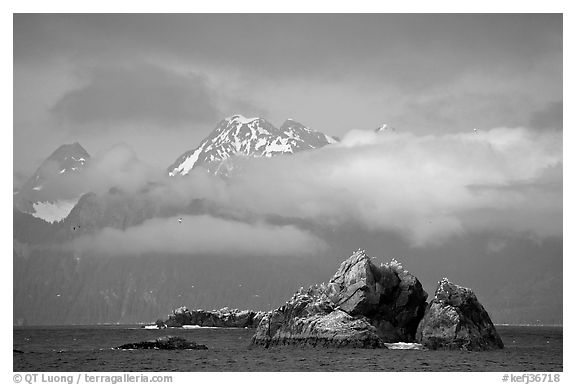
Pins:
<point x="427" y="188"/>
<point x="116" y="167"/>
<point x="201" y="234"/>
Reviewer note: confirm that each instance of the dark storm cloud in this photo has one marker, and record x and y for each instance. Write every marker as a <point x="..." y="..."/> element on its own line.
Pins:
<point x="401" y="48"/>
<point x="475" y="110"/>
<point x="469" y="110"/>
<point x="549" y="117"/>
<point x="138" y="93"/>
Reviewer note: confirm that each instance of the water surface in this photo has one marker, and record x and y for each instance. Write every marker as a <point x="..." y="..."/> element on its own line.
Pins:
<point x="89" y="348"/>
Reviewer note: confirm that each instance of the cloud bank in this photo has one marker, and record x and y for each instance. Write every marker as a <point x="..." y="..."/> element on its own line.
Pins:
<point x="426" y="188"/>
<point x="201" y="235"/>
<point x="116" y="167"/>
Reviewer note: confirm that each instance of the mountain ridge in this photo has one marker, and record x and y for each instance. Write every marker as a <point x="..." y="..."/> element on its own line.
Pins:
<point x="32" y="198"/>
<point x="237" y="135"/>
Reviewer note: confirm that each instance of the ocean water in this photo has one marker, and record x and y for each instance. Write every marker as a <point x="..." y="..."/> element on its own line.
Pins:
<point x="89" y="348"/>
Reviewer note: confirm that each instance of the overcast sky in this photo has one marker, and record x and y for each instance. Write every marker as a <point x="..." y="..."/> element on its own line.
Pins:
<point x="469" y="186"/>
<point x="160" y="83"/>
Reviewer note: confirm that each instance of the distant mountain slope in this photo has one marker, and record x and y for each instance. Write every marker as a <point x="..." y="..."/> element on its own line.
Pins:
<point x="254" y="137"/>
<point x="35" y="199"/>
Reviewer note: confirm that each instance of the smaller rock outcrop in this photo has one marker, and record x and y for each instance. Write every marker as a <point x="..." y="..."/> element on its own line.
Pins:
<point x="455" y="319"/>
<point x="225" y="318"/>
<point x="165" y="343"/>
<point x="310" y="318"/>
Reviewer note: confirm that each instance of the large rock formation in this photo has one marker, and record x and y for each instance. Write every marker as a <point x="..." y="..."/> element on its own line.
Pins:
<point x="363" y="305"/>
<point x="165" y="343"/>
<point x="216" y="318"/>
<point x="389" y="296"/>
<point x="455" y="319"/>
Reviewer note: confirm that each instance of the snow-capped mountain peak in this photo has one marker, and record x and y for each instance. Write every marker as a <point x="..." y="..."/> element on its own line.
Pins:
<point x="66" y="158"/>
<point x="240" y="136"/>
<point x="240" y="119"/>
<point x="70" y="157"/>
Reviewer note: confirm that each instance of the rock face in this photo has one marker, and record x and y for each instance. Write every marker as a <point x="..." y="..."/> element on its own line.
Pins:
<point x="455" y="319"/>
<point x="41" y="196"/>
<point x="362" y="306"/>
<point x="165" y="343"/>
<point x="309" y="318"/>
<point x="216" y="318"/>
<point x="389" y="296"/>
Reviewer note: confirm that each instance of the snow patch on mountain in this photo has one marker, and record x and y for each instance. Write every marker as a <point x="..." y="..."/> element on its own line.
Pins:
<point x="188" y="163"/>
<point x="53" y="211"/>
<point x="240" y="119"/>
